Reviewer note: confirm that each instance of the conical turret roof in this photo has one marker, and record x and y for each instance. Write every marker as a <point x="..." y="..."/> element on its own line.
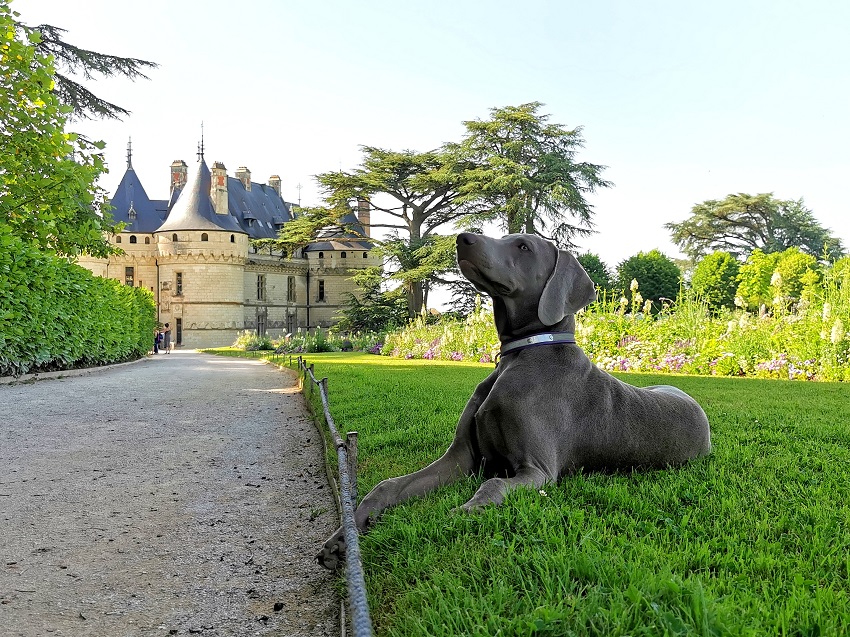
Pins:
<point x="194" y="209"/>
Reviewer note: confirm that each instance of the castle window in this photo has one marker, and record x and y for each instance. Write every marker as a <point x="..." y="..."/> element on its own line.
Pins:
<point x="365" y="255"/>
<point x="290" y="290"/>
<point x="129" y="275"/>
<point x="232" y="238"/>
<point x="147" y="240"/>
<point x="321" y="254"/>
<point x="205" y="236"/>
<point x="118" y="239"/>
<point x="343" y="255"/>
<point x="174" y="237"/>
<point x="178" y="284"/>
<point x="261" y="287"/>
<point x="261" y="325"/>
<point x="133" y="239"/>
<point x="321" y="295"/>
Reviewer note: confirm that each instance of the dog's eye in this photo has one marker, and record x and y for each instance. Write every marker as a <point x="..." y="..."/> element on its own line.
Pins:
<point x="523" y="246"/>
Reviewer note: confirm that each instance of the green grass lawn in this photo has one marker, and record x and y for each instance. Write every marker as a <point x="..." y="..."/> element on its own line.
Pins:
<point x="752" y="540"/>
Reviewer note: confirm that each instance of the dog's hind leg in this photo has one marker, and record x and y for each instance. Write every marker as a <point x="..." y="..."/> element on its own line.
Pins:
<point x="494" y="490"/>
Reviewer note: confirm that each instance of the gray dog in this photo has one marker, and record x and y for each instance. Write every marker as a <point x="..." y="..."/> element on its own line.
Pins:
<point x="546" y="410"/>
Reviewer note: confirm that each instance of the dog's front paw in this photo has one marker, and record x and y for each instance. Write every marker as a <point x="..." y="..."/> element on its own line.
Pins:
<point x="333" y="552"/>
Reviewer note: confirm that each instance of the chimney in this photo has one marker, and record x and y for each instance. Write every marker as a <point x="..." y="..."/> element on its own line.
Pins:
<point x="218" y="188"/>
<point x="179" y="172"/>
<point x="274" y="182"/>
<point x="244" y="175"/>
<point x="364" y="215"/>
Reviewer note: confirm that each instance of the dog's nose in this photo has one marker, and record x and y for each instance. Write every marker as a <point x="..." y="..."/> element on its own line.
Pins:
<point x="466" y="239"/>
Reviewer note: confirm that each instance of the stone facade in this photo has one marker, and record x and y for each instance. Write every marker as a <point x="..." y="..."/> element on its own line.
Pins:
<point x="208" y="279"/>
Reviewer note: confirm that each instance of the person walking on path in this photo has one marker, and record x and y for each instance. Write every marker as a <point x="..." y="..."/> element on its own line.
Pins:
<point x="198" y="512"/>
<point x="166" y="339"/>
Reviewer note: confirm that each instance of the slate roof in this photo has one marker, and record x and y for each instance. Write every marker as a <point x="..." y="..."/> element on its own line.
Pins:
<point x="131" y="194"/>
<point x="348" y="238"/>
<point x="260" y="212"/>
<point x="194" y="209"/>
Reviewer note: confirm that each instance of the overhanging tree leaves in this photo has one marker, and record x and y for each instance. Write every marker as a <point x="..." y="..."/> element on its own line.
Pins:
<point x="48" y="196"/>
<point x="741" y="223"/>
<point x="70" y="60"/>
<point x="523" y="171"/>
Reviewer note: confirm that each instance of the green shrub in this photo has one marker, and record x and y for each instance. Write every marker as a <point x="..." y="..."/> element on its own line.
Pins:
<point x="596" y="270"/>
<point x="715" y="280"/>
<point x="55" y="314"/>
<point x="657" y="275"/>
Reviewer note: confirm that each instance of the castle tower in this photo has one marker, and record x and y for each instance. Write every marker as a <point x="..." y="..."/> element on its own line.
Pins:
<point x="201" y="250"/>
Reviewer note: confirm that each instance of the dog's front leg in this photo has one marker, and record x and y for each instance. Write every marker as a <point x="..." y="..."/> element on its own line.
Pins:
<point x="459" y="460"/>
<point x="494" y="490"/>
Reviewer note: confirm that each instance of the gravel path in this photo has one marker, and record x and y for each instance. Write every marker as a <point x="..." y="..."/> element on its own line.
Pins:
<point x="183" y="494"/>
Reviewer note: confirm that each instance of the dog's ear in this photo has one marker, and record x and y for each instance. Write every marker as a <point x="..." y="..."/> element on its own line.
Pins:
<point x="567" y="291"/>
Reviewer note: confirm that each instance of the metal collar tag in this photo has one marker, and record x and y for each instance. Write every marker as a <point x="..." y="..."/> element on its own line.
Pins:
<point x="548" y="338"/>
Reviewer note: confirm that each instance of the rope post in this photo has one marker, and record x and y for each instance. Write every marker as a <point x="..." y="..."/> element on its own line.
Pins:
<point x="351" y="443"/>
<point x="312" y="373"/>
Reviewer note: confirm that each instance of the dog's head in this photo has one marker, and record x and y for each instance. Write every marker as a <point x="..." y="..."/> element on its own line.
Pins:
<point x="532" y="283"/>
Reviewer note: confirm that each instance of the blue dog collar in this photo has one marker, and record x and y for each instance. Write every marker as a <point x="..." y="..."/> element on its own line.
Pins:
<point x="548" y="338"/>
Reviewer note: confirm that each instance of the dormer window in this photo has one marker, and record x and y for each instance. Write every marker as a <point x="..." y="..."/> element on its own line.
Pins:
<point x="131" y="214"/>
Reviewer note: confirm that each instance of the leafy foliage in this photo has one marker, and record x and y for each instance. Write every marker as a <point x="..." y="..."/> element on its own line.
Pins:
<point x="523" y="170"/>
<point x="658" y="277"/>
<point x="47" y="176"/>
<point x="74" y="60"/>
<point x="373" y="310"/>
<point x="56" y="315"/>
<point x="596" y="270"/>
<point x="742" y="223"/>
<point x="715" y="280"/>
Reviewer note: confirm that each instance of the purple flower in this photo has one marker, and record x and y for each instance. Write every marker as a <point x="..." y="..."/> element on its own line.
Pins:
<point x="408" y="356"/>
<point x="456" y="356"/>
<point x="429" y="354"/>
<point x="376" y="348"/>
<point x="485" y="358"/>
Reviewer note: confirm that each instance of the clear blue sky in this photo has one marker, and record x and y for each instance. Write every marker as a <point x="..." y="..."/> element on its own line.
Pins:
<point x="682" y="101"/>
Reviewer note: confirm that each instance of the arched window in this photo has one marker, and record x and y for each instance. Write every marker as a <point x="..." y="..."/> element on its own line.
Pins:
<point x="174" y="237"/>
<point x="343" y="255"/>
<point x="133" y="238"/>
<point x="365" y="255"/>
<point x="118" y="239"/>
<point x="205" y="236"/>
<point x="321" y="255"/>
<point x="147" y="240"/>
<point x="232" y="238"/>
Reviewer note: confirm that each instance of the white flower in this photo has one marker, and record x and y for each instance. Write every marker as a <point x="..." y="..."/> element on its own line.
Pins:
<point x="543" y="493"/>
<point x="647" y="307"/>
<point x="776" y="279"/>
<point x="739" y="302"/>
<point x="838" y="332"/>
<point x="827" y="311"/>
<point x="638" y="298"/>
<point x="634" y="285"/>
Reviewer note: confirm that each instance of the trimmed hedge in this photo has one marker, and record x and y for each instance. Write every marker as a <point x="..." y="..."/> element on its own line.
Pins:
<point x="57" y="315"/>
